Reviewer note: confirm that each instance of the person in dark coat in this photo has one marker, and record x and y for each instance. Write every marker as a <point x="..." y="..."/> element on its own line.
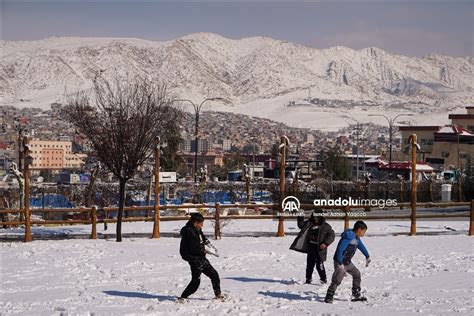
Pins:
<point x="313" y="239"/>
<point x="192" y="249"/>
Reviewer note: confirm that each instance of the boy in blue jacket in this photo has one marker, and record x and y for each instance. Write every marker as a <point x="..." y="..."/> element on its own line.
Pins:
<point x="346" y="248"/>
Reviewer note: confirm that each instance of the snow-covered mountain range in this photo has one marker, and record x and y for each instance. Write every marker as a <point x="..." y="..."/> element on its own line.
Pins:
<point x="257" y="75"/>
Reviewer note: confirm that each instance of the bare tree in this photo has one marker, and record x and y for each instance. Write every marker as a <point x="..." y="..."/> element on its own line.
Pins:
<point x="121" y="119"/>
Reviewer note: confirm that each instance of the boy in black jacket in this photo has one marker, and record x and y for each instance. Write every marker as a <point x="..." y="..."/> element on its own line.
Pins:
<point x="192" y="250"/>
<point x="314" y="238"/>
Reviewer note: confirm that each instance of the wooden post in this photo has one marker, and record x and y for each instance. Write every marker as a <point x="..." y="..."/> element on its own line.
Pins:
<point x="26" y="175"/>
<point x="148" y="194"/>
<point x="217" y="222"/>
<point x="94" y="222"/>
<point x="413" y="185"/>
<point x="156" y="206"/>
<point x="281" y="225"/>
<point x="471" y="223"/>
<point x="346" y="217"/>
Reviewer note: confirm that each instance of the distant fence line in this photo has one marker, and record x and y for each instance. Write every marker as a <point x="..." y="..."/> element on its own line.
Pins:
<point x="107" y="193"/>
<point x="94" y="218"/>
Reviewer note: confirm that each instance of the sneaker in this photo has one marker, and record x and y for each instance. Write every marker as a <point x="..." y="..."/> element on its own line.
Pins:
<point x="329" y="297"/>
<point x="308" y="281"/>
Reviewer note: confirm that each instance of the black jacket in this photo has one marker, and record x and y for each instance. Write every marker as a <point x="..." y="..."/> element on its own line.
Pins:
<point x="325" y="236"/>
<point x="192" y="243"/>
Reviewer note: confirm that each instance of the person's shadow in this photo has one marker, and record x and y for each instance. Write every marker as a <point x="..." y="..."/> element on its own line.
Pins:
<point x="245" y="279"/>
<point x="141" y="295"/>
<point x="286" y="295"/>
<point x="308" y="296"/>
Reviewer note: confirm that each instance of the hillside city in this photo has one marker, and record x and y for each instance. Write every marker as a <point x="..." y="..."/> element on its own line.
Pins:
<point x="221" y="135"/>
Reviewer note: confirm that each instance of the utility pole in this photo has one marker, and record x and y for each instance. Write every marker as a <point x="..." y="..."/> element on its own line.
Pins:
<point x="284" y="143"/>
<point x="156" y="205"/>
<point x="253" y="168"/>
<point x="414" y="147"/>
<point x="459" y="174"/>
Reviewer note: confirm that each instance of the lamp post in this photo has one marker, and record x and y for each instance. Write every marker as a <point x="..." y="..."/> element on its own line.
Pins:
<point x="197" y="111"/>
<point x="391" y="122"/>
<point x="156" y="205"/>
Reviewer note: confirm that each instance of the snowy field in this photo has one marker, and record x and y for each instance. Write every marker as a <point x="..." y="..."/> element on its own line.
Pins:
<point x="431" y="274"/>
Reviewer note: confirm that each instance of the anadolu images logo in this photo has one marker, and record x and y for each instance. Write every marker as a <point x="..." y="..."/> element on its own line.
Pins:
<point x="290" y="204"/>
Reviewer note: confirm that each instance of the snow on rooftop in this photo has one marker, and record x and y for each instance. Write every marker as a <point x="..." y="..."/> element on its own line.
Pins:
<point x="453" y="129"/>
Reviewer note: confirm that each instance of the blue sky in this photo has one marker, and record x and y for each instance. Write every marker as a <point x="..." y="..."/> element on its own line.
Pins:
<point x="413" y="28"/>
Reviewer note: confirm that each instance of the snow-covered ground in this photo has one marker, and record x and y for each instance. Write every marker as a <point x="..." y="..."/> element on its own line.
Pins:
<point x="327" y="118"/>
<point x="422" y="274"/>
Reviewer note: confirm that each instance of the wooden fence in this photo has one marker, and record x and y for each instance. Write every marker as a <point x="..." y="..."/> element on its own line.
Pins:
<point x="92" y="213"/>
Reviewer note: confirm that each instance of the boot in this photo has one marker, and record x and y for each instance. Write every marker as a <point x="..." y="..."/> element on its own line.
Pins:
<point x="329" y="297"/>
<point x="181" y="300"/>
<point x="357" y="296"/>
<point x="221" y="297"/>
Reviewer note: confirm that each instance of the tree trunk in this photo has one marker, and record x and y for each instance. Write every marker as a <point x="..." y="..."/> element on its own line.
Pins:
<point x="120" y="211"/>
<point x="90" y="187"/>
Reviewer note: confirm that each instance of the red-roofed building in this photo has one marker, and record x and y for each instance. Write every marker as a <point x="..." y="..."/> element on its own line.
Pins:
<point x="454" y="145"/>
<point x="443" y="146"/>
<point x="465" y="121"/>
<point x="403" y="168"/>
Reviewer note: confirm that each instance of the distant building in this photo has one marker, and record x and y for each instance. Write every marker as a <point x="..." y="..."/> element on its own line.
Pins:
<point x="54" y="155"/>
<point x="208" y="159"/>
<point x="443" y="146"/>
<point x="185" y="145"/>
<point x="342" y="140"/>
<point x="204" y="145"/>
<point x="452" y="146"/>
<point x="465" y="121"/>
<point x="6" y="156"/>
<point x="403" y="169"/>
<point x="189" y="145"/>
<point x="425" y="138"/>
<point x="226" y="144"/>
<point x="310" y="138"/>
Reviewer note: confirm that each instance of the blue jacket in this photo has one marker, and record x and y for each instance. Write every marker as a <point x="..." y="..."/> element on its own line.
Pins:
<point x="347" y="247"/>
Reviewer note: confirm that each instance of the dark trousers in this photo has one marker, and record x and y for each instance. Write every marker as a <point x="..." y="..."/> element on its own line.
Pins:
<point x="313" y="259"/>
<point x="198" y="266"/>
